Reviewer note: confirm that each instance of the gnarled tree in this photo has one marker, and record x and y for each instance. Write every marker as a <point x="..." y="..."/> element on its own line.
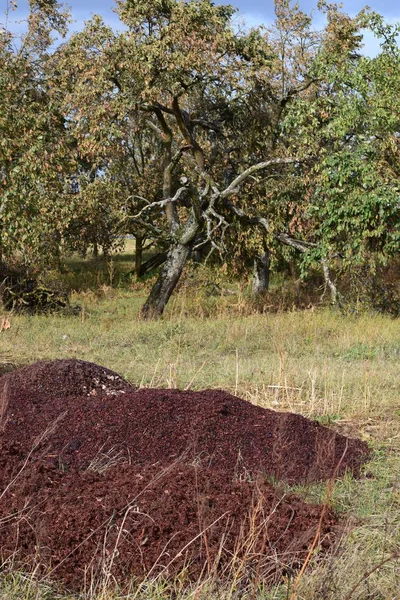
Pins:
<point x="203" y="135"/>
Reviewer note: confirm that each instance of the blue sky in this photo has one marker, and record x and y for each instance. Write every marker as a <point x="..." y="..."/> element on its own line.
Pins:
<point x="263" y="9"/>
<point x="253" y="12"/>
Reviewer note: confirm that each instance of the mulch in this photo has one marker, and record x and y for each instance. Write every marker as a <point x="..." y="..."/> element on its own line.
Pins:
<point x="101" y="479"/>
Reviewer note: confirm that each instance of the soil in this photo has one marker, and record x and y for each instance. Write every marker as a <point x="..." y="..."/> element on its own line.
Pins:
<point x="103" y="480"/>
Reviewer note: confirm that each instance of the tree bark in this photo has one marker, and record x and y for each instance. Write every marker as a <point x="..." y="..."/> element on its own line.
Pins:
<point x="328" y="281"/>
<point x="166" y="138"/>
<point x="166" y="282"/>
<point x="261" y="273"/>
<point x="170" y="273"/>
<point x="95" y="250"/>
<point x="138" y="255"/>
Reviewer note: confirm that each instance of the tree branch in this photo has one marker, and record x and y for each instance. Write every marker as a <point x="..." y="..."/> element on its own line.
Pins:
<point x="156" y="106"/>
<point x="294" y="91"/>
<point x="300" y="245"/>
<point x="157" y="232"/>
<point x="284" y="238"/>
<point x="232" y="187"/>
<point x="160" y="203"/>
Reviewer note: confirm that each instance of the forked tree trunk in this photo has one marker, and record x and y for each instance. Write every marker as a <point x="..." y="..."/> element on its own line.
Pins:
<point x="261" y="273"/>
<point x="166" y="282"/>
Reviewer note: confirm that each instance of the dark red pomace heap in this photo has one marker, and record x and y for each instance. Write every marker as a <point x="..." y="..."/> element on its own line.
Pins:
<point x="100" y="480"/>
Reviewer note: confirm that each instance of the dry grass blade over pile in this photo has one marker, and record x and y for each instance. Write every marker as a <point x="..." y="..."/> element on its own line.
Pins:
<point x="341" y="370"/>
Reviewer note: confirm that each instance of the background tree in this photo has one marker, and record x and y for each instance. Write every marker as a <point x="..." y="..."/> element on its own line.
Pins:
<point x="353" y="190"/>
<point x="34" y="151"/>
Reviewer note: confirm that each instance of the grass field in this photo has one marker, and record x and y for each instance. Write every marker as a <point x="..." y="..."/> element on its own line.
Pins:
<point x="340" y="369"/>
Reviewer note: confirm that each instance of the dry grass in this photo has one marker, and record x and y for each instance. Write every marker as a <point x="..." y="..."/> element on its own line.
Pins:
<point x="318" y="363"/>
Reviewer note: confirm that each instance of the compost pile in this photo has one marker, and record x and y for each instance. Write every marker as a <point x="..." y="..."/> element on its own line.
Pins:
<point x="100" y="480"/>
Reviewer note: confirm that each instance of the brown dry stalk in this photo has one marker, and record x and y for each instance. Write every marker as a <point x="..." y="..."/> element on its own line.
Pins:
<point x="4" y="400"/>
<point x="328" y="494"/>
<point x="182" y="550"/>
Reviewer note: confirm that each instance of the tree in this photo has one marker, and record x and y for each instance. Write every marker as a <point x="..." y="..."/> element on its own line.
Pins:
<point x="188" y="132"/>
<point x="354" y="187"/>
<point x="33" y="148"/>
<point x="189" y="78"/>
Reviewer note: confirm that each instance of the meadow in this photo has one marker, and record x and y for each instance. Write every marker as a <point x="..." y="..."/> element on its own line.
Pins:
<point x="341" y="369"/>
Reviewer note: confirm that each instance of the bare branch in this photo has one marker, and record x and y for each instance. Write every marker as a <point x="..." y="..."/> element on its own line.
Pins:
<point x="176" y="158"/>
<point x="232" y="187"/>
<point x="300" y="245"/>
<point x="186" y="129"/>
<point x="296" y="90"/>
<point x="207" y="125"/>
<point x="161" y="203"/>
<point x="155" y="128"/>
<point x="156" y="106"/>
<point x="239" y="212"/>
<point x="157" y="232"/>
<point x="212" y="228"/>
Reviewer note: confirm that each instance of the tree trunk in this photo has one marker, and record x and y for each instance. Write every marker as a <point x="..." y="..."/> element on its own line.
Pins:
<point x="138" y="255"/>
<point x="95" y="250"/>
<point x="155" y="261"/>
<point x="261" y="273"/>
<point x="166" y="282"/>
<point x="328" y="281"/>
<point x="170" y="273"/>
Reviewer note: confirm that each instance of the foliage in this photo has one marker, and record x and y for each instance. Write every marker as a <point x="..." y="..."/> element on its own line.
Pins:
<point x="33" y="149"/>
<point x="354" y="186"/>
<point x="197" y="138"/>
